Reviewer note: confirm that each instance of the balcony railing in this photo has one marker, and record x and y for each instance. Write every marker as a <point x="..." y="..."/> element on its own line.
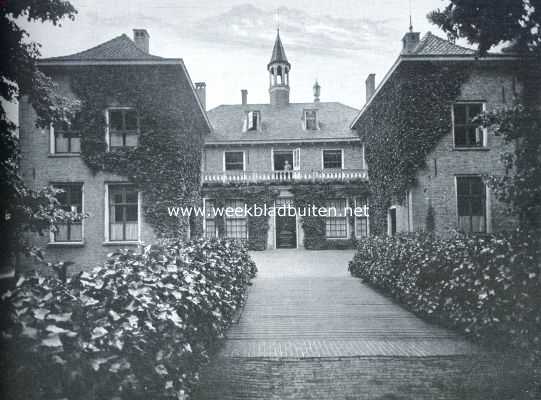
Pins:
<point x="284" y="176"/>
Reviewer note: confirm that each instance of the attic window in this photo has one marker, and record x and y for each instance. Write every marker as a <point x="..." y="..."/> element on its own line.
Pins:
<point x="252" y="120"/>
<point x="310" y="120"/>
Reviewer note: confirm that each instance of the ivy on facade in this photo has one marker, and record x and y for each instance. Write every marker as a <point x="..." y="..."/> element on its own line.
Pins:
<point x="165" y="165"/>
<point x="402" y="126"/>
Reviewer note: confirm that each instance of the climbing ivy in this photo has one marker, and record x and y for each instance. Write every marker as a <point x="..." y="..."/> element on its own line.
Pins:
<point x="308" y="195"/>
<point x="261" y="195"/>
<point x="165" y="165"/>
<point x="402" y="126"/>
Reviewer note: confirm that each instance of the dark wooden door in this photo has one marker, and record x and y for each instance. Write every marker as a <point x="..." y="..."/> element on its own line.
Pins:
<point x="286" y="232"/>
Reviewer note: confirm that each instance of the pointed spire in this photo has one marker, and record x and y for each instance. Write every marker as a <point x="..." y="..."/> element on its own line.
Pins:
<point x="278" y="52"/>
<point x="317" y="91"/>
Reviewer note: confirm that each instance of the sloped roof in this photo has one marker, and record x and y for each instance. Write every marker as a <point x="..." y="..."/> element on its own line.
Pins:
<point x="118" y="48"/>
<point x="278" y="52"/>
<point x="281" y="123"/>
<point x="432" y="45"/>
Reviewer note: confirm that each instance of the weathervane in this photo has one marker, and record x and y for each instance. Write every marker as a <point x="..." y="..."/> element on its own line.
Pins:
<point x="411" y="24"/>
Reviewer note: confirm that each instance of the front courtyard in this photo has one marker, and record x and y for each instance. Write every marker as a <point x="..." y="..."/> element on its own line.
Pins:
<point x="309" y="330"/>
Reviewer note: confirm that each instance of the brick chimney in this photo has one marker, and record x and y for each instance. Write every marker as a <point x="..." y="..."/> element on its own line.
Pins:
<point x="410" y="41"/>
<point x="141" y="39"/>
<point x="370" y="84"/>
<point x="201" y="89"/>
<point x="244" y="95"/>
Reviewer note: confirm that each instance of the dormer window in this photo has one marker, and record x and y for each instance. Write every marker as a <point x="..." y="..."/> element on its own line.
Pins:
<point x="123" y="127"/>
<point x="252" y="121"/>
<point x="310" y="120"/>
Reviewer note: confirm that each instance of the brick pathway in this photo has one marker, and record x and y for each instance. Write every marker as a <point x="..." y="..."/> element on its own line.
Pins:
<point x="311" y="331"/>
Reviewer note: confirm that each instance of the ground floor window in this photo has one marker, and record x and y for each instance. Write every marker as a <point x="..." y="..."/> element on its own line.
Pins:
<point x="210" y="219"/>
<point x="361" y="223"/>
<point x="71" y="200"/>
<point x="123" y="213"/>
<point x="336" y="222"/>
<point x="471" y="203"/>
<point x="236" y="226"/>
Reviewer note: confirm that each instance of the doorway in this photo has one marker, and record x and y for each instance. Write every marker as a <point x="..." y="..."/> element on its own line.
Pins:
<point x="286" y="226"/>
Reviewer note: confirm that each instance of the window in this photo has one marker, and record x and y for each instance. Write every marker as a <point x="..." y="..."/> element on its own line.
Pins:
<point x="235" y="225"/>
<point x="466" y="132"/>
<point x="471" y="202"/>
<point x="123" y="128"/>
<point x="71" y="200"/>
<point x="310" y="118"/>
<point x="65" y="139"/>
<point x="361" y="223"/>
<point x="336" y="223"/>
<point x="234" y="161"/>
<point x="332" y="159"/>
<point x="252" y="121"/>
<point x="123" y="213"/>
<point x="210" y="219"/>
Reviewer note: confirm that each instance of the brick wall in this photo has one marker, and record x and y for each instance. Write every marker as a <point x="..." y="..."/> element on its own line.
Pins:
<point x="495" y="86"/>
<point x="39" y="168"/>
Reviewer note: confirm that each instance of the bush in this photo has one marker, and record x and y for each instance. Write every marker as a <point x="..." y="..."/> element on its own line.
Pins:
<point x="488" y="287"/>
<point x="139" y="327"/>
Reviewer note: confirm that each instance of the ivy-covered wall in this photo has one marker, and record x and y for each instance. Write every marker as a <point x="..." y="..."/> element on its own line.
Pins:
<point x="165" y="165"/>
<point x="402" y="126"/>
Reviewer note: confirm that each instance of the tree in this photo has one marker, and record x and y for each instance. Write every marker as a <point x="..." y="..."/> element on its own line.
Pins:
<point x="22" y="209"/>
<point x="489" y="23"/>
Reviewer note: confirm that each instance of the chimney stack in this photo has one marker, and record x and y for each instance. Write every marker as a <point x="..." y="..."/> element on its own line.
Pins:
<point x="317" y="91"/>
<point x="141" y="39"/>
<point x="370" y="86"/>
<point x="201" y="89"/>
<point x="244" y="94"/>
<point x="410" y="41"/>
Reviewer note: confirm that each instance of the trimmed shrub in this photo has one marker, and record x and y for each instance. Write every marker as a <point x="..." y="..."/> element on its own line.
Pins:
<point x="488" y="287"/>
<point x="139" y="327"/>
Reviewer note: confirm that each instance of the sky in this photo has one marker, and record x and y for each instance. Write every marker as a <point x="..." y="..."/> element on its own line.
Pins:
<point x="227" y="44"/>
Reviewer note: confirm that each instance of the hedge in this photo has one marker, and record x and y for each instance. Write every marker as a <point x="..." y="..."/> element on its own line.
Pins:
<point x="138" y="327"/>
<point x="488" y="287"/>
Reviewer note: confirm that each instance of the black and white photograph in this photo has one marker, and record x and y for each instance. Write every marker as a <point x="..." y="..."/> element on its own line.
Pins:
<point x="270" y="200"/>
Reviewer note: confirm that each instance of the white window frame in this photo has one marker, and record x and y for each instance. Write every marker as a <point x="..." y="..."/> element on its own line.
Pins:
<point x="323" y="157"/>
<point x="355" y="220"/>
<point x="488" y="203"/>
<point x="234" y="151"/>
<point x="107" y="130"/>
<point x="52" y="240"/>
<point x="305" y="119"/>
<point x="246" y="127"/>
<point x="484" y="129"/>
<point x="106" y="215"/>
<point x="348" y="233"/>
<point x="205" y="219"/>
<point x="52" y="145"/>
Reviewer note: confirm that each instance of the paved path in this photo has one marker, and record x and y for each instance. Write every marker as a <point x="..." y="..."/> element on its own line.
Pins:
<point x="310" y="330"/>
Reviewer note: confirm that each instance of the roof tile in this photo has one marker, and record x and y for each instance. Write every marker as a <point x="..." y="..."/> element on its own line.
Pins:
<point x="432" y="45"/>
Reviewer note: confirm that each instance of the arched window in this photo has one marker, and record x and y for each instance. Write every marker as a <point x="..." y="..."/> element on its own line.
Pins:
<point x="280" y="79"/>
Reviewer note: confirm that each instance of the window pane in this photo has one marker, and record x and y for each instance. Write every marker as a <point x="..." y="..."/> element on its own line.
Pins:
<point x="460" y="135"/>
<point x="471" y="204"/>
<point x="61" y="235"/>
<point x="460" y="113"/>
<point x="117" y="231"/>
<point x="131" y="120"/>
<point x="131" y="196"/>
<point x="61" y="144"/>
<point x="132" y="140"/>
<point x="131" y="231"/>
<point x="474" y="110"/>
<point x="235" y="228"/>
<point x="131" y="213"/>
<point x="361" y="227"/>
<point x="75" y="144"/>
<point x="332" y="159"/>
<point x="117" y="139"/>
<point x="210" y="228"/>
<point x="234" y="161"/>
<point x="118" y="213"/>
<point x="115" y="120"/>
<point x="336" y="227"/>
<point x="76" y="232"/>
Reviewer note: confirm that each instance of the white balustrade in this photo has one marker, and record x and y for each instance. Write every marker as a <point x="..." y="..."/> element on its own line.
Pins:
<point x="283" y="176"/>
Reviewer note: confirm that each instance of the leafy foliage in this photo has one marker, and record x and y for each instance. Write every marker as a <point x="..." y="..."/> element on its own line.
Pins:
<point x="165" y="165"/>
<point x="398" y="137"/>
<point x="138" y="327"/>
<point x="488" y="23"/>
<point x="24" y="210"/>
<point x="488" y="287"/>
<point x="308" y="195"/>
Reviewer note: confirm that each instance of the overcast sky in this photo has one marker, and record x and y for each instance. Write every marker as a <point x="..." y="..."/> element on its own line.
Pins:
<point x="227" y="44"/>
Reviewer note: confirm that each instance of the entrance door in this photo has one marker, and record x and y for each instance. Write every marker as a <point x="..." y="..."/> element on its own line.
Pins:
<point x="286" y="227"/>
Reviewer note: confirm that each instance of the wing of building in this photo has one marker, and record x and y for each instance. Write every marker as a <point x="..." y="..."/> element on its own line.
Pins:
<point x="285" y="146"/>
<point x="420" y="122"/>
<point x="108" y="75"/>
